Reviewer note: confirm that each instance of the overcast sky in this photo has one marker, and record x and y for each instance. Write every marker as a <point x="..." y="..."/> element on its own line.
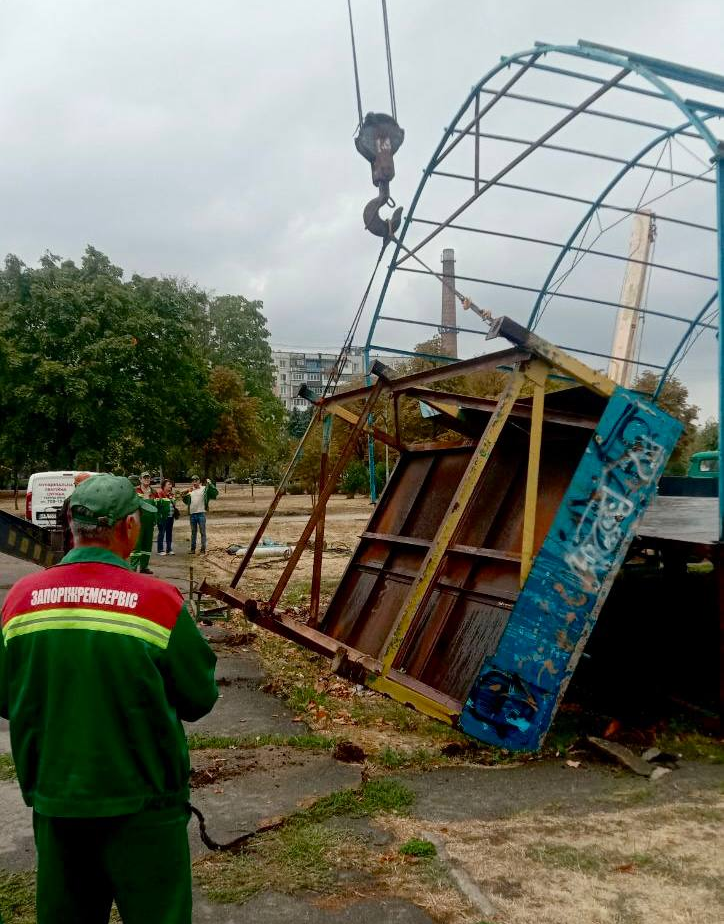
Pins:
<point x="214" y="140"/>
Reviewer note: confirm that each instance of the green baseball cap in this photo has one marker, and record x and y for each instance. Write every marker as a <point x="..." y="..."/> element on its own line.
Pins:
<point x="105" y="499"/>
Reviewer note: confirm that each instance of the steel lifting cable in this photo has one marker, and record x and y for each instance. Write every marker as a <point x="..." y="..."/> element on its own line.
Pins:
<point x="341" y="360"/>
<point x="354" y="62"/>
<point x="388" y="51"/>
<point x="388" y="55"/>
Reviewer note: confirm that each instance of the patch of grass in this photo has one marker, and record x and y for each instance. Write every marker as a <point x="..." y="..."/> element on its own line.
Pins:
<point x="17" y="898"/>
<point x="298" y="593"/>
<point x="418" y="847"/>
<point x="392" y="759"/>
<point x="691" y="744"/>
<point x="303" y="854"/>
<point x="383" y="795"/>
<point x="563" y="856"/>
<point x="7" y="767"/>
<point x="310" y="742"/>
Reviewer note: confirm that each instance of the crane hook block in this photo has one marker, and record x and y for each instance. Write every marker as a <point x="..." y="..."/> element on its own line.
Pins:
<point x="378" y="140"/>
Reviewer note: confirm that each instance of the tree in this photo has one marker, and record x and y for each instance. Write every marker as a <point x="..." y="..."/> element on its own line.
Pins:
<point x="98" y="371"/>
<point x="707" y="437"/>
<point x="236" y="436"/>
<point x="298" y="421"/>
<point x="239" y="339"/>
<point x="674" y="399"/>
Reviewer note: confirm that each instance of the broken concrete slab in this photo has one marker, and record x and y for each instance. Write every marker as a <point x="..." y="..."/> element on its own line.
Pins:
<point x="242" y="666"/>
<point x="242" y="708"/>
<point x="235" y="806"/>
<point x="658" y="772"/>
<point x="273" y="908"/>
<point x="17" y="847"/>
<point x="621" y="754"/>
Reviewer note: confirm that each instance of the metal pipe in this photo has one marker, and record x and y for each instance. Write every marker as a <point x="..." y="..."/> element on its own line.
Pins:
<point x="521" y="157"/>
<point x="497" y="95"/>
<point x="576" y="298"/>
<point x="327" y="421"/>
<point x="326" y="491"/>
<point x="720" y="267"/>
<point x="482" y="333"/>
<point x="580" y="152"/>
<point x="280" y="492"/>
<point x="589" y="214"/>
<point x="593" y="253"/>
<point x="681" y="344"/>
<point x="591" y="112"/>
<point x="566" y="198"/>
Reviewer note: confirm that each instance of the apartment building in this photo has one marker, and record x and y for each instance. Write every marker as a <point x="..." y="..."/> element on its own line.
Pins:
<point x="295" y="368"/>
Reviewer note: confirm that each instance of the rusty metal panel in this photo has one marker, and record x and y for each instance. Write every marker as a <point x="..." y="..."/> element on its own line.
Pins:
<point x="463" y="620"/>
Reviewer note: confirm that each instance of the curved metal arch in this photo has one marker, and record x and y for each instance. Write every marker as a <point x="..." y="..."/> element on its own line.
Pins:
<point x="566" y="249"/>
<point x="427" y="173"/>
<point x="532" y="54"/>
<point x="682" y="343"/>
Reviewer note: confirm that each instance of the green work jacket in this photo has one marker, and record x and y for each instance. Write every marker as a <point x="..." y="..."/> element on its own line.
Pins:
<point x="98" y="666"/>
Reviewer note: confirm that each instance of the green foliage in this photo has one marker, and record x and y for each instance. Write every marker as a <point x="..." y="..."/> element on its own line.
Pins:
<point x="418" y="847"/>
<point x="122" y="375"/>
<point x="298" y="421"/>
<point x="355" y="479"/>
<point x="674" y="398"/>
<point x="706" y="438"/>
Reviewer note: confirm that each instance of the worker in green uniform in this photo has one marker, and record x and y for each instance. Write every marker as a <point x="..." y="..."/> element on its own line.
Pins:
<point x="98" y="666"/>
<point x="141" y="555"/>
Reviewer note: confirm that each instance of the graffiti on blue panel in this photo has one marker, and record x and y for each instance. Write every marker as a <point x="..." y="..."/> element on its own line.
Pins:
<point x="515" y="696"/>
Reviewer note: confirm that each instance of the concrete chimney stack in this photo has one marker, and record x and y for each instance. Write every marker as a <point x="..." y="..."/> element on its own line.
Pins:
<point x="449" y="338"/>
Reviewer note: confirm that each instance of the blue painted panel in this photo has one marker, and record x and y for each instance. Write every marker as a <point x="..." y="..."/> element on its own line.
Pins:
<point x="516" y="694"/>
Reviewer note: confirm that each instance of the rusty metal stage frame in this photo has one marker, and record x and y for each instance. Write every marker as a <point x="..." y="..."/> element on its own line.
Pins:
<point x="444" y="572"/>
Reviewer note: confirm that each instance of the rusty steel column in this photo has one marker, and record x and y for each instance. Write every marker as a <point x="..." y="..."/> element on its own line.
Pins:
<point x="325" y="492"/>
<point x="280" y="492"/>
<point x="448" y="331"/>
<point x="319" y="535"/>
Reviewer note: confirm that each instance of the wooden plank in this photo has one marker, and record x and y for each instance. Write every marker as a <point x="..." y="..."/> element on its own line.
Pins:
<point x="682" y="519"/>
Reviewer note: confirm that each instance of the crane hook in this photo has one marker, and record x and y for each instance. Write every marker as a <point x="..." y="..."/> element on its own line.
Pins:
<point x="378" y="140"/>
<point x="374" y="222"/>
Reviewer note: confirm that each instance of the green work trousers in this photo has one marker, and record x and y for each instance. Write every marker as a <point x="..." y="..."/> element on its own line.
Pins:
<point x="141" y="861"/>
<point x="141" y="555"/>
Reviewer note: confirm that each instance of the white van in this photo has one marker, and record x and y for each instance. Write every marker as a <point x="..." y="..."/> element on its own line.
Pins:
<point x="45" y="496"/>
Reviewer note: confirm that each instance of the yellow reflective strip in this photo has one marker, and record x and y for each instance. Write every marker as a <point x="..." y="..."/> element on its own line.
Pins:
<point x="79" y="617"/>
<point x="94" y="625"/>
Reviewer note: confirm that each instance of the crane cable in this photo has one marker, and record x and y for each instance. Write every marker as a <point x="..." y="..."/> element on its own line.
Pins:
<point x="388" y="51"/>
<point x="388" y="55"/>
<point x="354" y="61"/>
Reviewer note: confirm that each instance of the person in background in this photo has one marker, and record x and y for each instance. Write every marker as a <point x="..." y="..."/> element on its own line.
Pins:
<point x="64" y="515"/>
<point x="98" y="668"/>
<point x="197" y="500"/>
<point x="167" y="513"/>
<point x="141" y="555"/>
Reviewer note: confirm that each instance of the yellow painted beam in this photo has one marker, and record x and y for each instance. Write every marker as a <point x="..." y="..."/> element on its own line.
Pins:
<point x="420" y="702"/>
<point x="349" y="417"/>
<point x="422" y="585"/>
<point x="580" y="372"/>
<point x="531" y="487"/>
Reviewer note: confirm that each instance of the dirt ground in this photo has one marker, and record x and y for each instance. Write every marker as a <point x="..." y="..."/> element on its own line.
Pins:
<point x="428" y="827"/>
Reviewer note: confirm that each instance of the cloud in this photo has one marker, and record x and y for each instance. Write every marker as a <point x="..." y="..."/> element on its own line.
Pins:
<point x="214" y="141"/>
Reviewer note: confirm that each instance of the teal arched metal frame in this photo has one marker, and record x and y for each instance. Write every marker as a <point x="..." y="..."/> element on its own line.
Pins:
<point x="657" y="73"/>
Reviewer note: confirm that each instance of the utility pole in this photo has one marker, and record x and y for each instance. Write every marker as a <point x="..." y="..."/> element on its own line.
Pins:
<point x="628" y="321"/>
